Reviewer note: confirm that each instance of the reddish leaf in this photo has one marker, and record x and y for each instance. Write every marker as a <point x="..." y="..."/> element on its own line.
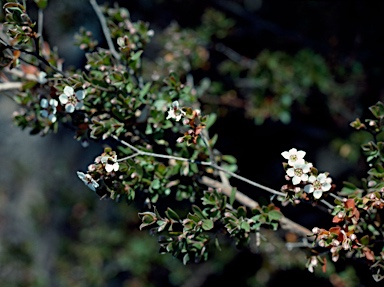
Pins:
<point x="337" y="219"/>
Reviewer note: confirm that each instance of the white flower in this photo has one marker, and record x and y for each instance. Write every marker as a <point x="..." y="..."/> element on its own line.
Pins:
<point x="88" y="180"/>
<point x="175" y="112"/>
<point x="318" y="184"/>
<point x="293" y="156"/>
<point x="72" y="100"/>
<point x="299" y="172"/>
<point x="111" y="163"/>
<point x="49" y="109"/>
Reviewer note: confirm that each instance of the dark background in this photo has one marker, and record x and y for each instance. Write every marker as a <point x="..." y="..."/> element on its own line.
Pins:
<point x="40" y="173"/>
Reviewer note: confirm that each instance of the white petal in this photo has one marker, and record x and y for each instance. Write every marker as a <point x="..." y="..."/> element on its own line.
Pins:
<point x="44" y="103"/>
<point x="63" y="99"/>
<point x="108" y="167"/>
<point x="317" y="194"/>
<point x="321" y="177"/>
<point x="95" y="184"/>
<point x="285" y="154"/>
<point x="53" y="103"/>
<point x="175" y="104"/>
<point x="69" y="108"/>
<point x="68" y="91"/>
<point x="326" y="186"/>
<point x="104" y="159"/>
<point x="301" y="154"/>
<point x="79" y="106"/>
<point x="292" y="151"/>
<point x="81" y="175"/>
<point x="44" y="113"/>
<point x="291" y="172"/>
<point x="312" y="178"/>
<point x="52" y="118"/>
<point x="296" y="180"/>
<point x="80" y="95"/>
<point x="308" y="188"/>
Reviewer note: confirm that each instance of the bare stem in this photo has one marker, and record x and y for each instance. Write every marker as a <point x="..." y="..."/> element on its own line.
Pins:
<point x="35" y="54"/>
<point x="207" y="163"/>
<point x="10" y="86"/>
<point x="336" y="197"/>
<point x="104" y="26"/>
<point x="330" y="206"/>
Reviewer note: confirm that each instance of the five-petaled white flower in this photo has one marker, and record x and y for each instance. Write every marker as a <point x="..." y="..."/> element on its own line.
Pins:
<point x="111" y="163"/>
<point x="49" y="109"/>
<point x="293" y="156"/>
<point x="299" y="172"/>
<point x="88" y="180"/>
<point x="175" y="112"/>
<point x="72" y="100"/>
<point x="318" y="184"/>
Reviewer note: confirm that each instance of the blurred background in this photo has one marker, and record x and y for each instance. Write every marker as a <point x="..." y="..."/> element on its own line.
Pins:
<point x="282" y="74"/>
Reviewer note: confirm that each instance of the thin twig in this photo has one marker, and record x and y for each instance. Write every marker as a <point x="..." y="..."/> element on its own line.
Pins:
<point x="330" y="206"/>
<point x="104" y="26"/>
<point x="336" y="197"/>
<point x="206" y="163"/>
<point x="35" y="54"/>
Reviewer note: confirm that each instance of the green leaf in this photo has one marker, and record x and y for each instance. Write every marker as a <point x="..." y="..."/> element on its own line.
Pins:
<point x="186" y="259"/>
<point x="156" y="183"/>
<point x="377" y="110"/>
<point x="241" y="211"/>
<point x="172" y="214"/>
<point x="198" y="211"/>
<point x="364" y="240"/>
<point x="194" y="217"/>
<point x="211" y="120"/>
<point x="229" y="158"/>
<point x="136" y="55"/>
<point x="245" y="226"/>
<point x="233" y="196"/>
<point x="274" y="215"/>
<point x="207" y="224"/>
<point x="145" y="90"/>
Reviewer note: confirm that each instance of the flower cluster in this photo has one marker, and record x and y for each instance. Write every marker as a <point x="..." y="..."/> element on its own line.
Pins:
<point x="303" y="176"/>
<point x="175" y="112"/>
<point x="337" y="239"/>
<point x="192" y="118"/>
<point x="103" y="166"/>
<point x="49" y="109"/>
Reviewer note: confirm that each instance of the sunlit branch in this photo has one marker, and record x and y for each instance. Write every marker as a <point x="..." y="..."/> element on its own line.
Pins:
<point x="10" y="86"/>
<point x="285" y="223"/>
<point x="206" y="163"/>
